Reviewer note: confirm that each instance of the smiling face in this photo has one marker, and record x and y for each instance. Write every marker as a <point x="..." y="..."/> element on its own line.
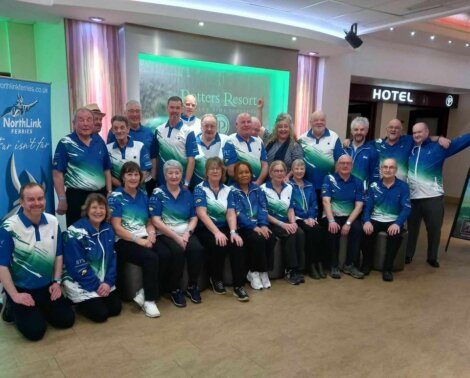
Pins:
<point x="394" y="130"/>
<point x="190" y="105"/>
<point x="214" y="172"/>
<point x="277" y="173"/>
<point x="131" y="180"/>
<point x="209" y="127"/>
<point x="298" y="171"/>
<point x="243" y="175"/>
<point x="283" y="130"/>
<point x="420" y="132"/>
<point x="174" y="109"/>
<point x="96" y="213"/>
<point x="318" y="123"/>
<point x="133" y="114"/>
<point x="344" y="165"/>
<point x="388" y="169"/>
<point x="98" y="122"/>
<point x="83" y="123"/>
<point x="33" y="202"/>
<point x="120" y="130"/>
<point x="359" y="132"/>
<point x="255" y="127"/>
<point x="243" y="125"/>
<point x="173" y="176"/>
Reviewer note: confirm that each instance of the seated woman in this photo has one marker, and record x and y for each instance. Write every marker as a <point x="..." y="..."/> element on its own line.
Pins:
<point x="306" y="210"/>
<point x="249" y="203"/>
<point x="281" y="218"/>
<point x="218" y="228"/>
<point x="136" y="236"/>
<point x="90" y="262"/>
<point x="172" y="212"/>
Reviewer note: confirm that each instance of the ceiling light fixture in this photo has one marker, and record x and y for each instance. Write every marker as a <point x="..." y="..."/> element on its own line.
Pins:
<point x="392" y="28"/>
<point x="312" y="53"/>
<point x="201" y="23"/>
<point x="466" y="45"/>
<point x="352" y="38"/>
<point x="413" y="33"/>
<point x="96" y="19"/>
<point x="432" y="37"/>
<point x="294" y="39"/>
<point x="449" y="42"/>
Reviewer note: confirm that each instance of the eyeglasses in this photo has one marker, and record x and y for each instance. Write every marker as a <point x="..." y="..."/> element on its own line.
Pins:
<point x="214" y="169"/>
<point x="278" y="171"/>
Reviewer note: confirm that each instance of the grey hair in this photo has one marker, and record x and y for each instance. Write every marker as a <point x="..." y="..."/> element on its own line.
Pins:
<point x="209" y="115"/>
<point x="133" y="102"/>
<point x="360" y="121"/>
<point x="172" y="164"/>
<point x="298" y="162"/>
<point x="81" y="110"/>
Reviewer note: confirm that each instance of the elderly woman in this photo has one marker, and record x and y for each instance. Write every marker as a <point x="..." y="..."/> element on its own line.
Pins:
<point x="306" y="214"/>
<point x="209" y="144"/>
<point x="282" y="144"/>
<point x="173" y="214"/>
<point x="218" y="231"/>
<point x="281" y="218"/>
<point x="249" y="203"/>
<point x="90" y="262"/>
<point x="136" y="235"/>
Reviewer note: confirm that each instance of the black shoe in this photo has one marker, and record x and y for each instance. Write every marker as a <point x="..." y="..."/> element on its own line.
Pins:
<point x="7" y="316"/>
<point x="192" y="292"/>
<point x="177" y="298"/>
<point x="366" y="270"/>
<point x="301" y="277"/>
<point x="387" y="276"/>
<point x="433" y="263"/>
<point x="217" y="287"/>
<point x="335" y="273"/>
<point x="320" y="270"/>
<point x="314" y="272"/>
<point x="241" y="294"/>
<point x="291" y="277"/>
<point x="408" y="260"/>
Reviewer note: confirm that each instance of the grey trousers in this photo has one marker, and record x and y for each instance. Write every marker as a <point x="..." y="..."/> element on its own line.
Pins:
<point x="431" y="211"/>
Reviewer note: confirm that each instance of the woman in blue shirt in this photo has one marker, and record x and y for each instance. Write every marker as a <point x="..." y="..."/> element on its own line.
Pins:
<point x="89" y="276"/>
<point x="249" y="203"/>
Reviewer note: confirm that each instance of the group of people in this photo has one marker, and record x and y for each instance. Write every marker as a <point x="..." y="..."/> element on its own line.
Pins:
<point x="185" y="194"/>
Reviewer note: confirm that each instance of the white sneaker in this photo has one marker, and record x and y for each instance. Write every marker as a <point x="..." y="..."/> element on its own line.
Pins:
<point x="248" y="276"/>
<point x="256" y="281"/>
<point x="139" y="297"/>
<point x="151" y="309"/>
<point x="265" y="280"/>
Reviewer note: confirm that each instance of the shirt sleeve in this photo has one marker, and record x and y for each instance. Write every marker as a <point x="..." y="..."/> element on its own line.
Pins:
<point x="326" y="187"/>
<point x="192" y="210"/>
<point x="338" y="150"/>
<point x="199" y="197"/>
<point x="359" y="190"/>
<point x="191" y="146"/>
<point x="312" y="205"/>
<point x="368" y="205"/>
<point x="60" y="161"/>
<point x="106" y="159"/>
<point x="458" y="144"/>
<point x="231" y="200"/>
<point x="405" y="205"/>
<point x="263" y="209"/>
<point x="145" y="163"/>
<point x="230" y="155"/>
<point x="155" y="205"/>
<point x="156" y="145"/>
<point x="110" y="277"/>
<point x="374" y="172"/>
<point x="264" y="155"/>
<point x="6" y="247"/>
<point x="59" y="249"/>
<point x="115" y="205"/>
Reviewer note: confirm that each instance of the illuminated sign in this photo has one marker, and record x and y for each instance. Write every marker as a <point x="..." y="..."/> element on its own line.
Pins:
<point x="382" y="94"/>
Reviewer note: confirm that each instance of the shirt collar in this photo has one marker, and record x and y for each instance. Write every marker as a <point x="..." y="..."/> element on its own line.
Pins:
<point x="214" y="141"/>
<point x="27" y="222"/>
<point x="188" y="119"/>
<point x="325" y="134"/>
<point x="269" y="185"/>
<point x="338" y="177"/>
<point x="250" y="139"/>
<point x="306" y="183"/>
<point x="178" y="125"/>
<point x="130" y="143"/>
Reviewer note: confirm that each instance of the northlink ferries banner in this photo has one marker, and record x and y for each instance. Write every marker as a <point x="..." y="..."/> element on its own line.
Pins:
<point x="461" y="226"/>
<point x="25" y="141"/>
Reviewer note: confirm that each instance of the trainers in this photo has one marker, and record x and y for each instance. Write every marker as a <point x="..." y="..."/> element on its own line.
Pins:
<point x="192" y="292"/>
<point x="353" y="271"/>
<point x="217" y="286"/>
<point x="387" y="276"/>
<point x="255" y="280"/>
<point x="177" y="298"/>
<point x="335" y="273"/>
<point x="241" y="294"/>
<point x="291" y="277"/>
<point x="265" y="280"/>
<point x="139" y="297"/>
<point x="151" y="309"/>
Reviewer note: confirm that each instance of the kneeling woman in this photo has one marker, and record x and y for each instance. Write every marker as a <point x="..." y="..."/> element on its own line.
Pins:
<point x="218" y="231"/>
<point x="90" y="262"/>
<point x="249" y="203"/>
<point x="136" y="237"/>
<point x="281" y="217"/>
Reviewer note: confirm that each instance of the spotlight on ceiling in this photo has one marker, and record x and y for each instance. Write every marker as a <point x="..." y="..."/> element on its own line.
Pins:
<point x="352" y="38"/>
<point x="96" y="19"/>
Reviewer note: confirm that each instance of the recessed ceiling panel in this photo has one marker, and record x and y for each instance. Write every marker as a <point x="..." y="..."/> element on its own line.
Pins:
<point x="329" y="9"/>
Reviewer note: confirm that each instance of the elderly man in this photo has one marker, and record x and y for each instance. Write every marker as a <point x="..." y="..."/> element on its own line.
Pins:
<point x="241" y="146"/>
<point x="343" y="199"/>
<point x="31" y="267"/>
<point x="81" y="163"/>
<point x="364" y="155"/>
<point x="387" y="209"/>
<point x="97" y="117"/>
<point x="175" y="141"/>
<point x="189" y="114"/>
<point x="427" y="192"/>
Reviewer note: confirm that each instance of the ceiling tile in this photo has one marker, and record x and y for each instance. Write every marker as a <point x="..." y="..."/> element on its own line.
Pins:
<point x="328" y="9"/>
<point x="282" y="5"/>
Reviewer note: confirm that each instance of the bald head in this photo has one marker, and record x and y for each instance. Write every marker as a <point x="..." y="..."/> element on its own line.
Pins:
<point x="190" y="105"/>
<point x="255" y="126"/>
<point x="394" y="130"/>
<point x="420" y="132"/>
<point x="243" y="125"/>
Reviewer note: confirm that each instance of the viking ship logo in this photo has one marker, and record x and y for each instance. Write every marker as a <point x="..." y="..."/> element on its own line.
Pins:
<point x="19" y="108"/>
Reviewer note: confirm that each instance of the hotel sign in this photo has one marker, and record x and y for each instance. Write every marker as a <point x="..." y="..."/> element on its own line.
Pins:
<point x="383" y="94"/>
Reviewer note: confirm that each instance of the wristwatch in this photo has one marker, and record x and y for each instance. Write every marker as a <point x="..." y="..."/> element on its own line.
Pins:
<point x="57" y="280"/>
<point x="348" y="223"/>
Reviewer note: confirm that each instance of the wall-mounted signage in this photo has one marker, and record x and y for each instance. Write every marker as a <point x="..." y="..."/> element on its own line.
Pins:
<point x="382" y="94"/>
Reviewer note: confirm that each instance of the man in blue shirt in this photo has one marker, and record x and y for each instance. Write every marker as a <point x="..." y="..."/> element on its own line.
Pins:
<point x="387" y="209"/>
<point x="426" y="189"/>
<point x="31" y="267"/>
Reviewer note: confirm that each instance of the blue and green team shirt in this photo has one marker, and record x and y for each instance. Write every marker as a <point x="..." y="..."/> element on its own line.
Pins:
<point x="133" y="151"/>
<point x="304" y="200"/>
<point x="400" y="151"/>
<point x="142" y="134"/>
<point x="83" y="166"/>
<point x="29" y="250"/>
<point x="387" y="204"/>
<point x="320" y="155"/>
<point x="193" y="122"/>
<point x="251" y="209"/>
<point x="204" y="153"/>
<point x="133" y="212"/>
<point x="252" y="152"/>
<point x="174" y="212"/>
<point x="365" y="163"/>
<point x="425" y="166"/>
<point x="278" y="203"/>
<point x="215" y="204"/>
<point x="343" y="194"/>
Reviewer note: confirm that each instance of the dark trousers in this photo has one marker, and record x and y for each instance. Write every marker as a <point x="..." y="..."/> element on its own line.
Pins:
<point x="319" y="203"/>
<point x="217" y="256"/>
<point x="32" y="321"/>
<point x="75" y="199"/>
<point x="146" y="258"/>
<point x="290" y="245"/>
<point x="354" y="241"/>
<point x="259" y="251"/>
<point x="369" y="243"/>
<point x="313" y="242"/>
<point x="101" y="308"/>
<point x="431" y="210"/>
<point x="194" y="254"/>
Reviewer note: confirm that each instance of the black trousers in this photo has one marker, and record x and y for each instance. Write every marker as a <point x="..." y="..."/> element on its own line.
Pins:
<point x="75" y="199"/>
<point x="290" y="245"/>
<point x="217" y="256"/>
<point x="354" y="241"/>
<point x="194" y="254"/>
<point x="319" y="203"/>
<point x="369" y="243"/>
<point x="431" y="210"/>
<point x="259" y="251"/>
<point x="32" y="321"/>
<point x="146" y="258"/>
<point x="101" y="308"/>
<point x="313" y="243"/>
